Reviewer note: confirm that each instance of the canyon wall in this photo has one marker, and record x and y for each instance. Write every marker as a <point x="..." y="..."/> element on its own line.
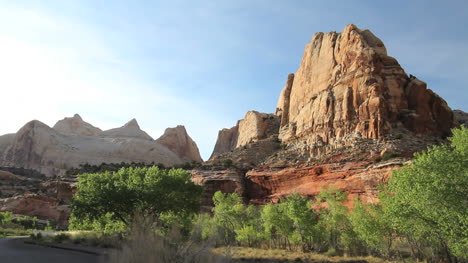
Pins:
<point x="347" y="118"/>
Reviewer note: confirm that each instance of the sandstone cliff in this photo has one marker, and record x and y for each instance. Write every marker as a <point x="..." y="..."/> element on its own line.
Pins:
<point x="347" y="118"/>
<point x="177" y="140"/>
<point x="130" y="130"/>
<point x="461" y="118"/>
<point x="253" y="127"/>
<point x="76" y="125"/>
<point x="73" y="142"/>
<point x="347" y="84"/>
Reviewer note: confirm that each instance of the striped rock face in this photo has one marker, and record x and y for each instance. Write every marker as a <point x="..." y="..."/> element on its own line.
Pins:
<point x="347" y="84"/>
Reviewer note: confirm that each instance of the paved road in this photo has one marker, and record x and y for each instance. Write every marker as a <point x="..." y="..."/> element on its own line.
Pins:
<point x="13" y="250"/>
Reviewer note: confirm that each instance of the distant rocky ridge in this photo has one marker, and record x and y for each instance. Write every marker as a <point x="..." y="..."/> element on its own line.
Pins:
<point x="72" y="141"/>
<point x="75" y="125"/>
<point x="177" y="140"/>
<point x="347" y="118"/>
<point x="254" y="127"/>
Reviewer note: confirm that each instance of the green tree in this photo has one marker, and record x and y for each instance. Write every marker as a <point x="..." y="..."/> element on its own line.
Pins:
<point x="335" y="221"/>
<point x="6" y="218"/>
<point x="427" y="201"/>
<point x="235" y="220"/>
<point x="277" y="225"/>
<point x="371" y="227"/>
<point x="147" y="191"/>
<point x="303" y="219"/>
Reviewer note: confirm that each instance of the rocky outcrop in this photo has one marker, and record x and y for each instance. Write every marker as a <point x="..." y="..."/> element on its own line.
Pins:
<point x="39" y="147"/>
<point x="27" y="193"/>
<point x="283" y="102"/>
<point x="226" y="141"/>
<point x="256" y="126"/>
<point x="36" y="205"/>
<point x="461" y="117"/>
<point x="177" y="140"/>
<point x="5" y="141"/>
<point x="347" y="84"/>
<point x="359" y="179"/>
<point x="347" y="118"/>
<point x="227" y="181"/>
<point x="76" y="125"/>
<point x="253" y="127"/>
<point x="130" y="130"/>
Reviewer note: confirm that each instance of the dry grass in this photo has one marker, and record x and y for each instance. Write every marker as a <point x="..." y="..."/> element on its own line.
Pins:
<point x="84" y="238"/>
<point x="245" y="254"/>
<point x="146" y="246"/>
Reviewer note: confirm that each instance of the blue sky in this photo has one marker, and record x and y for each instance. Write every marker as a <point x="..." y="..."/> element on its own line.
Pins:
<point x="202" y="64"/>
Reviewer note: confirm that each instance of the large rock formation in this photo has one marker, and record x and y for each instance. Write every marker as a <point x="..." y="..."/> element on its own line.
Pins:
<point x="227" y="181"/>
<point x="76" y="125"/>
<point x="347" y="84"/>
<point x="226" y="141"/>
<point x="461" y="118"/>
<point x="131" y="129"/>
<point x="253" y="127"/>
<point x="177" y="140"/>
<point x="75" y="142"/>
<point x="348" y="117"/>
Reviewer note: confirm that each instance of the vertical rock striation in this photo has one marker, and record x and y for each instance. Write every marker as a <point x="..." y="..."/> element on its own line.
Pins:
<point x="347" y="84"/>
<point x="253" y="127"/>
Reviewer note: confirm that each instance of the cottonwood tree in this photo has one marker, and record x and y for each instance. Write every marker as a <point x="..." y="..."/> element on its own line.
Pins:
<point x="149" y="192"/>
<point x="427" y="201"/>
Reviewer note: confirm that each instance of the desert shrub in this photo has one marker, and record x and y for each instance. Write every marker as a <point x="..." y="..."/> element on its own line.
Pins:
<point x="27" y="222"/>
<point x="388" y="156"/>
<point x="227" y="163"/>
<point x="6" y="218"/>
<point x="60" y="238"/>
<point x="145" y="245"/>
<point x="37" y="236"/>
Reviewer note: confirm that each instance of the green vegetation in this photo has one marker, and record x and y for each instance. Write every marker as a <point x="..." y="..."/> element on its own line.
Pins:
<point x="11" y="225"/>
<point x="86" y="238"/>
<point x="114" y="167"/>
<point x="422" y="215"/>
<point x="427" y="202"/>
<point x="111" y="200"/>
<point x="227" y="163"/>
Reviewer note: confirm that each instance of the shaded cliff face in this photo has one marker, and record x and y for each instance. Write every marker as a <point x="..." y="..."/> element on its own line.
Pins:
<point x="347" y="118"/>
<point x="347" y="84"/>
<point x="255" y="126"/>
<point x="73" y="142"/>
<point x="177" y="140"/>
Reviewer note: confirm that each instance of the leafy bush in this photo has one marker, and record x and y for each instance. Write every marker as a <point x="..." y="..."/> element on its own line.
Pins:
<point x="227" y="163"/>
<point x="388" y="156"/>
<point x="6" y="218"/>
<point x="118" y="196"/>
<point x="60" y="238"/>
